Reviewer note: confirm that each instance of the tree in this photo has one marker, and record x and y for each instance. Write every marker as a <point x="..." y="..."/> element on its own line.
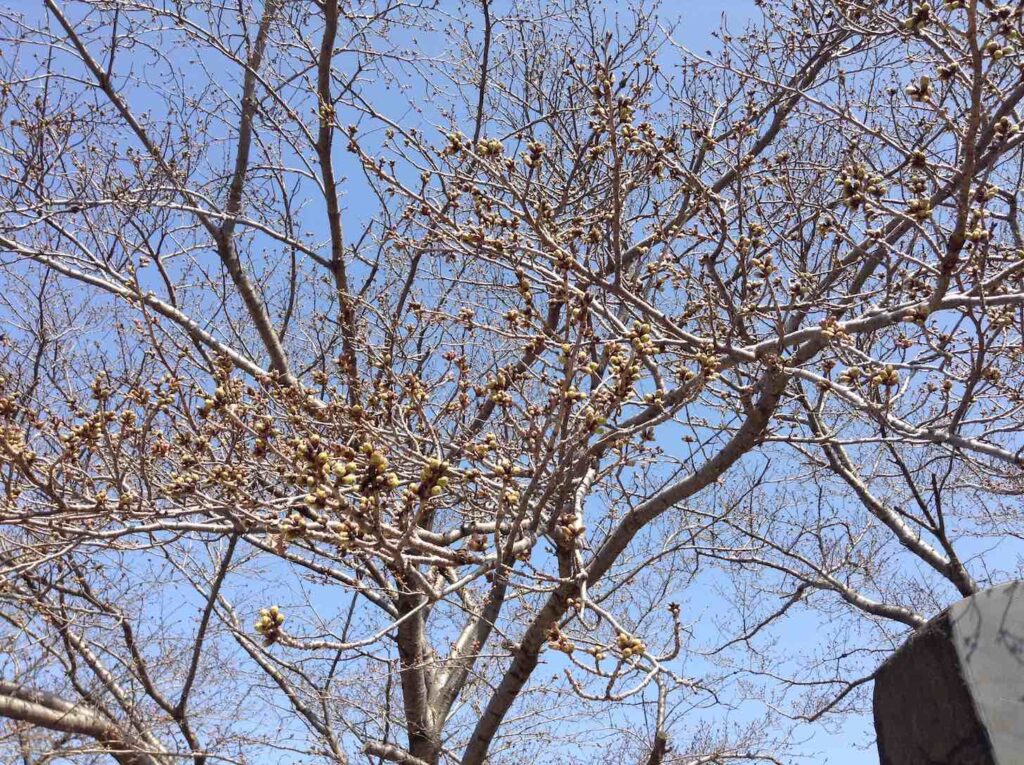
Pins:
<point x="351" y="387"/>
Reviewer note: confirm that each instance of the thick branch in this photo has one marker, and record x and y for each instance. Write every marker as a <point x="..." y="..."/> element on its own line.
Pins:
<point x="53" y="713"/>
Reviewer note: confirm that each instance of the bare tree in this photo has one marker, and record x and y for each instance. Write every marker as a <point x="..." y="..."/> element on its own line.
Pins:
<point x="390" y="380"/>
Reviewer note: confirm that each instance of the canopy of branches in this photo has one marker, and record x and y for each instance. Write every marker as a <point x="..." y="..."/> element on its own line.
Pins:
<point x="490" y="381"/>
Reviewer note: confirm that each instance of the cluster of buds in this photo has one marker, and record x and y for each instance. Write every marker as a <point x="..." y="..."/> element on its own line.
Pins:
<point x="227" y="390"/>
<point x="490" y="147"/>
<point x="544" y="210"/>
<point x="918" y="315"/>
<point x="851" y="376"/>
<point x="977" y="233"/>
<point x="986" y="192"/>
<point x="345" y="472"/>
<point x="887" y="376"/>
<point x="997" y="51"/>
<point x="182" y="484"/>
<point x="629" y="646"/>
<point x="624" y="108"/>
<point x="536" y="154"/>
<point x="991" y="374"/>
<point x="570" y="528"/>
<point x="268" y="624"/>
<point x="377" y="477"/>
<point x="12" y="442"/>
<point x="920" y="91"/>
<point x="433" y="479"/>
<point x="89" y="432"/>
<point x="523" y="286"/>
<point x="568" y="393"/>
<point x="125" y="501"/>
<point x="602" y="92"/>
<point x="564" y="261"/>
<point x="920" y="209"/>
<point x="800" y="285"/>
<point x="501" y="397"/>
<point x="415" y="388"/>
<point x="1004" y="127"/>
<point x="1004" y="12"/>
<point x="456" y="142"/>
<point x="764" y="267"/>
<point x="594" y="418"/>
<point x="603" y="80"/>
<point x="1006" y="18"/>
<point x="293" y="527"/>
<point x="858" y="184"/>
<point x="708" y="362"/>
<point x="1001" y="318"/>
<point x="484" y="447"/>
<point x="559" y="642"/>
<point x="630" y="134"/>
<point x="752" y="240"/>
<point x="345" y="533"/>
<point x="310" y="460"/>
<point x="472" y="235"/>
<point x="640" y="337"/>
<point x="919" y="19"/>
<point x="496" y="389"/>
<point x="915" y="287"/>
<point x="228" y="478"/>
<point x="101" y="387"/>
<point x="833" y="330"/>
<point x="265" y="430"/>
<point x="626" y="370"/>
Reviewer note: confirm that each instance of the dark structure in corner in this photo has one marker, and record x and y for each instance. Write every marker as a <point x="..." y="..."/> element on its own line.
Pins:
<point x="954" y="692"/>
